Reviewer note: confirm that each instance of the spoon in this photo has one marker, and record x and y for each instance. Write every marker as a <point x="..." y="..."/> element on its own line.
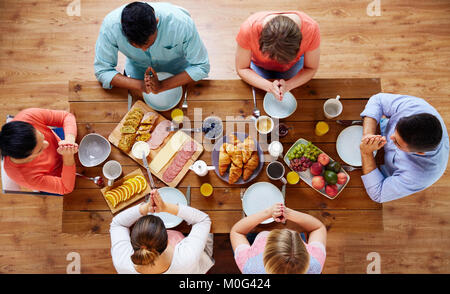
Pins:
<point x="98" y="180"/>
<point x="256" y="112"/>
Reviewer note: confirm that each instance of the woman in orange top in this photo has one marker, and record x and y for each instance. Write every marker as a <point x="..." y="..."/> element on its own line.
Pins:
<point x="278" y="51"/>
<point x="34" y="156"/>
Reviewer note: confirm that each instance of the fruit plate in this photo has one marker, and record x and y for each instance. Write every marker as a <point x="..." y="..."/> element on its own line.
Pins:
<point x="306" y="176"/>
<point x="134" y="198"/>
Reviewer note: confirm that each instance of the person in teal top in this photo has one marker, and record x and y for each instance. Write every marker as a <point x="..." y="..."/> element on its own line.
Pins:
<point x="160" y="37"/>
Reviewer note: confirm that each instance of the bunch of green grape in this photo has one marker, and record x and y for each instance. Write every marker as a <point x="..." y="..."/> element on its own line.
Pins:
<point x="308" y="151"/>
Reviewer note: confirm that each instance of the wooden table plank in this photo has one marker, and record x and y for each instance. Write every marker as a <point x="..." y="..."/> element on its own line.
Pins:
<point x="237" y="89"/>
<point x="355" y="221"/>
<point x="297" y="197"/>
<point x="307" y="110"/>
<point x="93" y="91"/>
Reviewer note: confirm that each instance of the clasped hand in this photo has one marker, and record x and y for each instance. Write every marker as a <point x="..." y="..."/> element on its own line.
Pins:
<point x="371" y="143"/>
<point x="151" y="82"/>
<point x="154" y="205"/>
<point x="279" y="88"/>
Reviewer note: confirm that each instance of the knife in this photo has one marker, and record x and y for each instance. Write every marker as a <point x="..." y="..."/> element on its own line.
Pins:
<point x="188" y="195"/>
<point x="130" y="98"/>
<point x="144" y="159"/>
<point x="283" y="191"/>
<point x="349" y="122"/>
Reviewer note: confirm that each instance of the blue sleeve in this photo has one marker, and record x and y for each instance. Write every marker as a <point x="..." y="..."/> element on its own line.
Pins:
<point x="196" y="54"/>
<point x="106" y="51"/>
<point x="381" y="189"/>
<point x="382" y="104"/>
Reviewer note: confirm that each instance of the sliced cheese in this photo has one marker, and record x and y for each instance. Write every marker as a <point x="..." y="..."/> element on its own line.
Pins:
<point x="168" y="151"/>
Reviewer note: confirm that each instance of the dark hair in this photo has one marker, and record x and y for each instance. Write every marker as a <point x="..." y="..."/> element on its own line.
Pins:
<point x="422" y="132"/>
<point x="138" y="22"/>
<point x="280" y="39"/>
<point x="17" y="139"/>
<point x="149" y="239"/>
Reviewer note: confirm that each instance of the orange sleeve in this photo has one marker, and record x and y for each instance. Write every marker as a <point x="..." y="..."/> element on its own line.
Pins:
<point x="52" y="184"/>
<point x="243" y="38"/>
<point x="51" y="118"/>
<point x="314" y="37"/>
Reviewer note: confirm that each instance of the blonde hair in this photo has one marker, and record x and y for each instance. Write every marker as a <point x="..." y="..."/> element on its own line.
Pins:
<point x="149" y="239"/>
<point x="285" y="253"/>
<point x="280" y="39"/>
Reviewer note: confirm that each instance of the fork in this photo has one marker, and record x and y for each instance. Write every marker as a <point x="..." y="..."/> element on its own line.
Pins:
<point x="185" y="105"/>
<point x="350" y="168"/>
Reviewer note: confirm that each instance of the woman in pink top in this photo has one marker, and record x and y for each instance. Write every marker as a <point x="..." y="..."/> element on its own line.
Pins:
<point x="34" y="156"/>
<point x="278" y="51"/>
<point x="279" y="251"/>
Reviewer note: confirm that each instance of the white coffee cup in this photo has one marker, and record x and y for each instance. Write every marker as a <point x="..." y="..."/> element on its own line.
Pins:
<point x="275" y="149"/>
<point x="332" y="107"/>
<point x="112" y="170"/>
<point x="264" y="120"/>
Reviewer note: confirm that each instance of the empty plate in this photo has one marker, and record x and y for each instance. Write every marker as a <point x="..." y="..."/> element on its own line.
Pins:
<point x="165" y="100"/>
<point x="347" y="145"/>
<point x="171" y="195"/>
<point x="280" y="109"/>
<point x="260" y="196"/>
<point x="93" y="150"/>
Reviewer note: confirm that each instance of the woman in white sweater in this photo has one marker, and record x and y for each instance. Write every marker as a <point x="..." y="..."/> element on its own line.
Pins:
<point x="151" y="249"/>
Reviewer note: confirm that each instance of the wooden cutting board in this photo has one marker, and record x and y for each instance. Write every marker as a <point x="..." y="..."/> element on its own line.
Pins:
<point x="115" y="136"/>
<point x="133" y="199"/>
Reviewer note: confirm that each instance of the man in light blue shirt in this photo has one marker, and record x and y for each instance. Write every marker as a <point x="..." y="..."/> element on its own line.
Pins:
<point x="160" y="37"/>
<point x="415" y="141"/>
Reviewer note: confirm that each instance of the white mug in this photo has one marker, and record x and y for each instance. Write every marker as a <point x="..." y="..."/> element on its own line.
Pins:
<point x="112" y="170"/>
<point x="281" y="167"/>
<point x="201" y="168"/>
<point x="275" y="149"/>
<point x="332" y="107"/>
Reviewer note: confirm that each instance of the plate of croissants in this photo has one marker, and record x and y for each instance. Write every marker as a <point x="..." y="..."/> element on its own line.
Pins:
<point x="237" y="158"/>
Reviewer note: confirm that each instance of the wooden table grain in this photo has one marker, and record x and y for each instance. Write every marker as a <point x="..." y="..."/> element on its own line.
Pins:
<point x="98" y="110"/>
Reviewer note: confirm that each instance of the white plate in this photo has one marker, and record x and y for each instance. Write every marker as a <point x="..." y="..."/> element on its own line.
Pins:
<point x="171" y="195"/>
<point x="347" y="145"/>
<point x="165" y="100"/>
<point x="260" y="196"/>
<point x="280" y="109"/>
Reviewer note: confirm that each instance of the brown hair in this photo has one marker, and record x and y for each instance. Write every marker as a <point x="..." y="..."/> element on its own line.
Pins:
<point x="149" y="240"/>
<point x="285" y="253"/>
<point x="280" y="39"/>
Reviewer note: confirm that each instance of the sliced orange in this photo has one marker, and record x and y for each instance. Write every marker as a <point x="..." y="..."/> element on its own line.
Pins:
<point x="129" y="189"/>
<point x="121" y="194"/>
<point x="131" y="186"/>
<point x="111" y="200"/>
<point x="138" y="184"/>
<point x="143" y="182"/>
<point x="124" y="192"/>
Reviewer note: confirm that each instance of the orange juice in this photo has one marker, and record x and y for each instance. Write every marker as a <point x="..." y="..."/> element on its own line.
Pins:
<point x="206" y="189"/>
<point x="292" y="177"/>
<point x="177" y="115"/>
<point x="321" y="128"/>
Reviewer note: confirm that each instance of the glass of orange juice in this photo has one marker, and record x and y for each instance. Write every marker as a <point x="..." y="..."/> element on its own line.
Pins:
<point x="292" y="177"/>
<point x="206" y="189"/>
<point x="177" y="115"/>
<point x="321" y="128"/>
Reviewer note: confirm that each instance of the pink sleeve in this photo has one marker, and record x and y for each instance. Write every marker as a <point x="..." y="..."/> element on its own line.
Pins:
<point x="318" y="251"/>
<point x="53" y="184"/>
<point x="51" y="118"/>
<point x="314" y="39"/>
<point x="241" y="255"/>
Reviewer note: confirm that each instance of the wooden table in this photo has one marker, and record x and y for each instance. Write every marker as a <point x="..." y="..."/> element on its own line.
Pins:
<point x="98" y="110"/>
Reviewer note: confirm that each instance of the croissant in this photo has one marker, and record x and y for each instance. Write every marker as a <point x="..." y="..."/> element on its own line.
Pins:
<point x="224" y="160"/>
<point x="247" y="147"/>
<point x="235" y="154"/>
<point x="251" y="165"/>
<point x="235" y="174"/>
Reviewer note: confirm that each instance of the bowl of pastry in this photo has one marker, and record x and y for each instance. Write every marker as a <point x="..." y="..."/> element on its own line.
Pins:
<point x="237" y="158"/>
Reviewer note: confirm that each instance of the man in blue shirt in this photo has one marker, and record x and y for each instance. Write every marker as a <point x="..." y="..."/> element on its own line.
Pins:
<point x="157" y="38"/>
<point x="415" y="141"/>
